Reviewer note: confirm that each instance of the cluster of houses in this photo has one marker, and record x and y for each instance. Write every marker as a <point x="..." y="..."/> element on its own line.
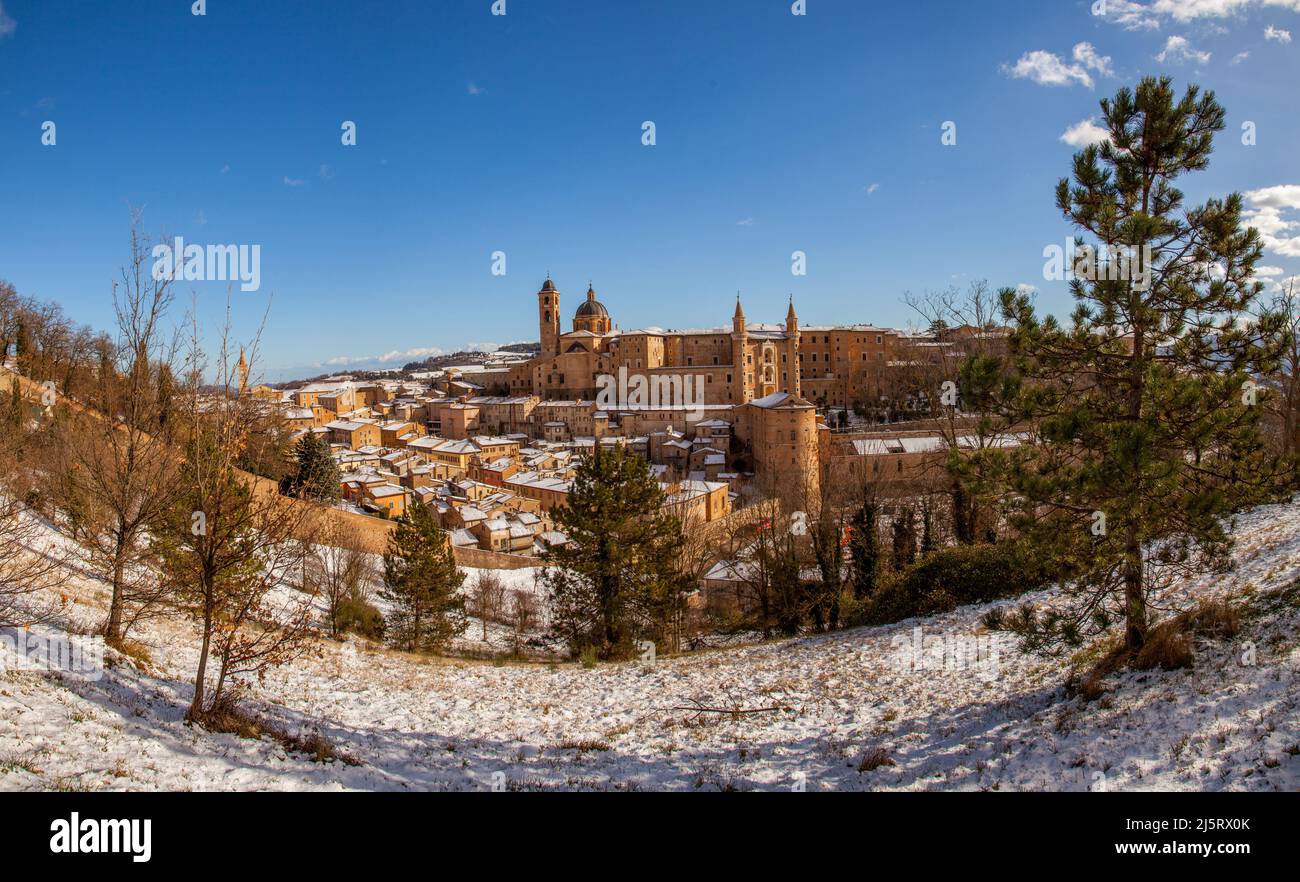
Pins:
<point x="493" y="468"/>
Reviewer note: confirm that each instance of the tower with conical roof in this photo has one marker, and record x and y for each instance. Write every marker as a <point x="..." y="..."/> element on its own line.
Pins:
<point x="548" y="318"/>
<point x="791" y="367"/>
<point x="742" y="383"/>
<point x="241" y="371"/>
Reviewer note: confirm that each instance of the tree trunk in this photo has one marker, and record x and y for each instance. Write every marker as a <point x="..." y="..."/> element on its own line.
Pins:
<point x="113" y="628"/>
<point x="1135" y="608"/>
<point x="208" y="582"/>
<point x="200" y="677"/>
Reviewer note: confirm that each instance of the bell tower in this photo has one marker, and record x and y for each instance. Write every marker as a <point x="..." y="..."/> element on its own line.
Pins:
<point x="792" y="384"/>
<point x="742" y="388"/>
<point x="548" y="318"/>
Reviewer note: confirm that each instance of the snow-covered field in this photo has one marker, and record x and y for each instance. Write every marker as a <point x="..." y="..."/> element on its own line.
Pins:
<point x="848" y="711"/>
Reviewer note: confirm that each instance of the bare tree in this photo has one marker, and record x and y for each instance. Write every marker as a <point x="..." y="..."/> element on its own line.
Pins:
<point x="119" y="462"/>
<point x="227" y="541"/>
<point x="968" y="379"/>
<point x="338" y="570"/>
<point x="524" y="615"/>
<point x="487" y="598"/>
<point x="27" y="569"/>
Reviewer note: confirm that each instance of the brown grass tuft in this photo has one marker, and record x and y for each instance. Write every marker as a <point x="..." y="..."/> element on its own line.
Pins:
<point x="874" y="759"/>
<point x="230" y="717"/>
<point x="583" y="745"/>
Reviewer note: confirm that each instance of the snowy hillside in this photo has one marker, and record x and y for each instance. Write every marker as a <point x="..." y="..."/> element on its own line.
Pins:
<point x="854" y="710"/>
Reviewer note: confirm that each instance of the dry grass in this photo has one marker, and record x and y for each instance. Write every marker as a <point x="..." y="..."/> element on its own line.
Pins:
<point x="873" y="759"/>
<point x="583" y="745"/>
<point x="231" y="718"/>
<point x="1168" y="646"/>
<point x="137" y="652"/>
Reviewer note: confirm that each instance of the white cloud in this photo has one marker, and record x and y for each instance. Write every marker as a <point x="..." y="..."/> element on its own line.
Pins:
<point x="473" y="89"/>
<point x="1281" y="36"/>
<point x="1026" y="288"/>
<point x="1049" y="69"/>
<point x="745" y="222"/>
<point x="1280" y="196"/>
<point x="293" y="182"/>
<point x="1240" y="57"/>
<point x="1178" y="50"/>
<point x="1129" y="15"/>
<point x="871" y="188"/>
<point x="1086" y="55"/>
<point x="1279" y="234"/>
<point x="1289" y="285"/>
<point x="7" y="24"/>
<point x="1188" y="10"/>
<point x="1133" y="15"/>
<point x="1084" y="132"/>
<point x="1268" y="272"/>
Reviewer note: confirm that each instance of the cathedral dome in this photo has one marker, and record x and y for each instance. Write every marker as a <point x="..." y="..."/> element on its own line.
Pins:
<point x="591" y="306"/>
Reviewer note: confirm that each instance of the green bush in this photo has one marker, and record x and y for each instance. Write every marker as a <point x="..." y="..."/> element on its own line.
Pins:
<point x="953" y="576"/>
<point x="358" y="615"/>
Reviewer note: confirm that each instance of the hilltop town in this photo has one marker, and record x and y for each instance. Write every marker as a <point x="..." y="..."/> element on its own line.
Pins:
<point x="491" y="446"/>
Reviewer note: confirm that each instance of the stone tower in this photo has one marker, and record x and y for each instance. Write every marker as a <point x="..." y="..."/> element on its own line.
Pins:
<point x="548" y="318"/>
<point x="742" y="388"/>
<point x="791" y="366"/>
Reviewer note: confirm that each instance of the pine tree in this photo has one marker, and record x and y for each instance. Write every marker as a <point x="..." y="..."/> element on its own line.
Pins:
<point x="422" y="582"/>
<point x="927" y="527"/>
<point x="23" y="353"/>
<point x="317" y="475"/>
<point x="904" y="537"/>
<point x="618" y="578"/>
<point x="864" y="548"/>
<point x="1147" y="416"/>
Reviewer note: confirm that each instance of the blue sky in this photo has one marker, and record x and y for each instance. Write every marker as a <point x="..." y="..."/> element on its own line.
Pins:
<point x="523" y="134"/>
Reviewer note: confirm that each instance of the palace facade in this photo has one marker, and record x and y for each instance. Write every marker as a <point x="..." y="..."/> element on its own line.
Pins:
<point x="751" y="376"/>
